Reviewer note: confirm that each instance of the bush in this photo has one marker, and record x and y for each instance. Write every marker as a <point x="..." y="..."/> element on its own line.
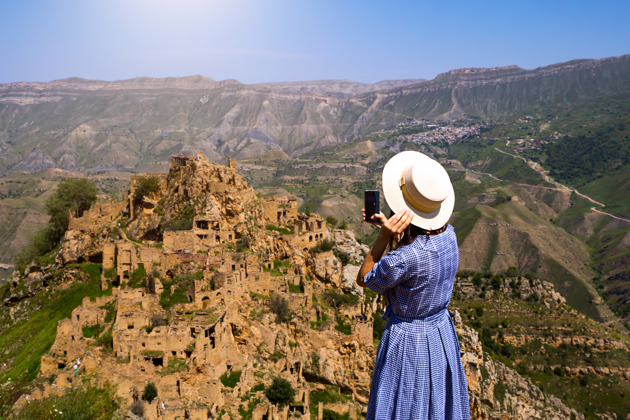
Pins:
<point x="282" y="230"/>
<point x="137" y="408"/>
<point x="182" y="221"/>
<point x="232" y="379"/>
<point x="333" y="415"/>
<point x="325" y="246"/>
<point x="280" y="307"/>
<point x="343" y="327"/>
<point x="144" y="186"/>
<point x="331" y="221"/>
<point x="105" y="340"/>
<point x="280" y="392"/>
<point x="137" y="277"/>
<point x="342" y="257"/>
<point x="150" y="392"/>
<point x="340" y="299"/>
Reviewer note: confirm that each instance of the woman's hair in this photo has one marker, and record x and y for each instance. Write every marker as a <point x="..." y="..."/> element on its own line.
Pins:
<point x="408" y="236"/>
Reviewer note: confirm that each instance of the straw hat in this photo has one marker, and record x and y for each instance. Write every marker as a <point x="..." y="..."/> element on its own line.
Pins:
<point x="414" y="181"/>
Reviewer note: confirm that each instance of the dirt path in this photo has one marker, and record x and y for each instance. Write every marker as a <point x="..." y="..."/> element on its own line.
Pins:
<point x="535" y="166"/>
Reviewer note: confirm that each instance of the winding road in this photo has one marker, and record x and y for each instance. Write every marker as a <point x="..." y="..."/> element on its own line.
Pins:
<point x="536" y="167"/>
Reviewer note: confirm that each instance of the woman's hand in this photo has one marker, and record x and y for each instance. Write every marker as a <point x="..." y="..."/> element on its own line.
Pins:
<point x="394" y="225"/>
<point x="374" y="221"/>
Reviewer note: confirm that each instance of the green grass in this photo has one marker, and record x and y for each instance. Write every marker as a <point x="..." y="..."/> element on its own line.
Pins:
<point x="26" y="341"/>
<point x="79" y="402"/>
<point x="327" y="396"/>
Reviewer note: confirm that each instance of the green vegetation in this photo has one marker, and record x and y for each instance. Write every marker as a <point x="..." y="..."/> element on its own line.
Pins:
<point x="336" y="299"/>
<point x="342" y="327"/>
<point x="280" y="307"/>
<point x="150" y="392"/>
<point x="282" y="230"/>
<point x="84" y="401"/>
<point x="183" y="220"/>
<point x="230" y="380"/>
<point x="105" y="340"/>
<point x="552" y="333"/>
<point x="92" y="331"/>
<point x="324" y="246"/>
<point x="180" y="293"/>
<point x="295" y="288"/>
<point x="333" y="415"/>
<point x="25" y="341"/>
<point x="280" y="392"/>
<point x="174" y="366"/>
<point x="72" y="195"/>
<point x="145" y="185"/>
<point x="137" y="277"/>
<point x="327" y="396"/>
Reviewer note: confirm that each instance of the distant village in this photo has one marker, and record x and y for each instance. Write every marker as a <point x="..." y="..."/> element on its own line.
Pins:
<point x="428" y="132"/>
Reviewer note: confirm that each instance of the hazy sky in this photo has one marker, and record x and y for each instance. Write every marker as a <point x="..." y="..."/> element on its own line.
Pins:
<point x="286" y="40"/>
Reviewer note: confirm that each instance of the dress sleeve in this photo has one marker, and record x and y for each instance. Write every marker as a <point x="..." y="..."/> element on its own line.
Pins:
<point x="388" y="272"/>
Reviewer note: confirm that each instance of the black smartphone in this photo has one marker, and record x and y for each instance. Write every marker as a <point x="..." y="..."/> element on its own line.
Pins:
<point x="371" y="204"/>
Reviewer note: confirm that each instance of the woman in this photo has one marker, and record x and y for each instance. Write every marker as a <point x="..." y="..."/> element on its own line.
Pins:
<point x="418" y="372"/>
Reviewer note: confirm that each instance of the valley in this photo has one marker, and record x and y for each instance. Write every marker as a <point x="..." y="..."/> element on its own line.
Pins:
<point x="540" y="163"/>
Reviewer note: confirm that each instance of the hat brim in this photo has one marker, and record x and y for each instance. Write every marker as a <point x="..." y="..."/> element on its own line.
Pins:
<point x="396" y="201"/>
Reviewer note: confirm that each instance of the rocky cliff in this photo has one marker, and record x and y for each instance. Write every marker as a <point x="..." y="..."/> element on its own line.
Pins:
<point x="210" y="292"/>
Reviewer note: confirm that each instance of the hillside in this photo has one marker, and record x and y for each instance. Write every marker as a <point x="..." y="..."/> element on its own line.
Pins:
<point x="101" y="126"/>
<point x="210" y="292"/>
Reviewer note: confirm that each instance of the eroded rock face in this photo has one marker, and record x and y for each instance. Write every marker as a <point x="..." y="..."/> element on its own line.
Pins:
<point x="494" y="388"/>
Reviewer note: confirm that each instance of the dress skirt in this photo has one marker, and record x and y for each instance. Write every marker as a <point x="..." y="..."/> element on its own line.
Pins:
<point x="418" y="372"/>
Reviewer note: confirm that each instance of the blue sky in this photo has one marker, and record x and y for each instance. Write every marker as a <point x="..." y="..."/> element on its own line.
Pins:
<point x="289" y="40"/>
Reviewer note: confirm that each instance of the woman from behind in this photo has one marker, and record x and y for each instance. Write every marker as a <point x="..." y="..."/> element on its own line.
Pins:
<point x="418" y="372"/>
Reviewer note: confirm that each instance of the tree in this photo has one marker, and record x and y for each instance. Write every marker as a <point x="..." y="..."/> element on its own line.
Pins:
<point x="76" y="195"/>
<point x="72" y="195"/>
<point x="280" y="392"/>
<point x="144" y="186"/>
<point x="150" y="392"/>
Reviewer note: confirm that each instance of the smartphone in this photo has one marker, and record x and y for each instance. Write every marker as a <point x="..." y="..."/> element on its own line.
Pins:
<point x="371" y="204"/>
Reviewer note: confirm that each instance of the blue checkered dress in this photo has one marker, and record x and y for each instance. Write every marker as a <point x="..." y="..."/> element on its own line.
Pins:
<point x="418" y="372"/>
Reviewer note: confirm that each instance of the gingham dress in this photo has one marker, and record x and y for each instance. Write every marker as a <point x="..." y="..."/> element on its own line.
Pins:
<point x="418" y="372"/>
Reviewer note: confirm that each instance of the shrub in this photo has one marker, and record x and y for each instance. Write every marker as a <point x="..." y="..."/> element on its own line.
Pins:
<point x="137" y="277"/>
<point x="144" y="186"/>
<point x="331" y="221"/>
<point x="343" y="327"/>
<point x="105" y="340"/>
<point x="150" y="392"/>
<point x="295" y="288"/>
<point x="340" y="299"/>
<point x="282" y="230"/>
<point x="280" y="307"/>
<point x="91" y="331"/>
<point x="280" y="392"/>
<point x="333" y="415"/>
<point x="137" y="408"/>
<point x="182" y="221"/>
<point x="325" y="246"/>
<point x="342" y="257"/>
<point x="232" y="379"/>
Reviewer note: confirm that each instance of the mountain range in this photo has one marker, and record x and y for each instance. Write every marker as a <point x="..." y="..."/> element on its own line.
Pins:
<point x="88" y="125"/>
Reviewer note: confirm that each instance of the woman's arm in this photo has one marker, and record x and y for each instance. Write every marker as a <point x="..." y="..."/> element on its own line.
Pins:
<point x="390" y="227"/>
